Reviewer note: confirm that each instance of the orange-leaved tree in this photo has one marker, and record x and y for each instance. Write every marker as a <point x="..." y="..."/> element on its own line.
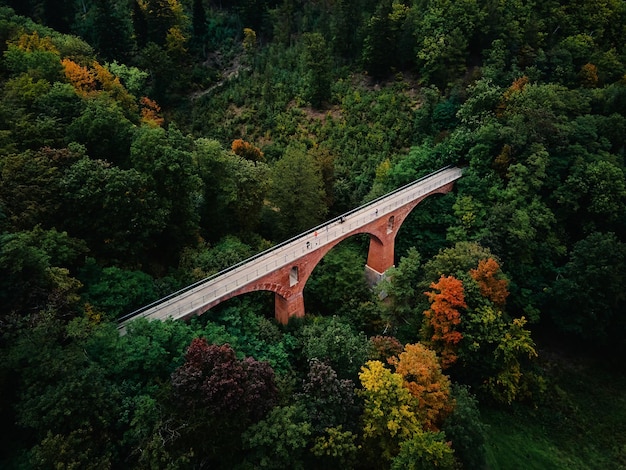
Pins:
<point x="492" y="287"/>
<point x="81" y="78"/>
<point x="151" y="112"/>
<point x="420" y="369"/>
<point x="446" y="299"/>
<point x="247" y="150"/>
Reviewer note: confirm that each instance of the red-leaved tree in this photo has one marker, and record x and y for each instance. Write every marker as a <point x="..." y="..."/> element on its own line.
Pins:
<point x="216" y="397"/>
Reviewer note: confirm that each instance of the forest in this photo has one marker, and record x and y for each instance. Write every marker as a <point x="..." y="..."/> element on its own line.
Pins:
<point x="148" y="144"/>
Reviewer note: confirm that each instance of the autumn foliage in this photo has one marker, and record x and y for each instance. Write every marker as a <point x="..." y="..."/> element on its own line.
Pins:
<point x="89" y="81"/>
<point x="420" y="369"/>
<point x="33" y="42"/>
<point x="81" y="78"/>
<point x="246" y="150"/>
<point x="150" y="112"/>
<point x="382" y="348"/>
<point x="490" y="286"/>
<point x="443" y="316"/>
<point x="213" y="379"/>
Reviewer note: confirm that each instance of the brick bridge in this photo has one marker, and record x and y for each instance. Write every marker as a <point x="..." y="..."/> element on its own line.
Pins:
<point x="285" y="268"/>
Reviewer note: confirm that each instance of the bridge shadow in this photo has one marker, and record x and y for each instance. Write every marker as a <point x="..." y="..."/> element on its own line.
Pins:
<point x="425" y="227"/>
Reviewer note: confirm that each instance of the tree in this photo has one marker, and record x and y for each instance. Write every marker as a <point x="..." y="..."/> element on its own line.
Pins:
<point x="425" y="451"/>
<point x="337" y="284"/>
<point x="297" y="192"/>
<point x="389" y="411"/>
<point x="280" y="440"/>
<point x="104" y="129"/>
<point x="335" y="341"/>
<point x="160" y="17"/>
<point x="516" y="346"/>
<point x="403" y="299"/>
<point x="316" y="64"/>
<point x="247" y="150"/>
<point x="383" y="348"/>
<point x="329" y="401"/>
<point x="204" y="261"/>
<point x="587" y="297"/>
<point x="107" y="27"/>
<point x="235" y="187"/>
<point x="465" y="429"/>
<point x="114" y="210"/>
<point x="35" y="55"/>
<point x="199" y="23"/>
<point x="165" y="157"/>
<point x="491" y="287"/>
<point x="217" y="397"/>
<point x="443" y="316"/>
<point x="420" y="369"/>
<point x="336" y="448"/>
<point x="30" y="183"/>
<point x="596" y="193"/>
<point x="379" y="41"/>
<point x="213" y="380"/>
<point x="116" y="291"/>
<point x="34" y="274"/>
<point x="68" y="401"/>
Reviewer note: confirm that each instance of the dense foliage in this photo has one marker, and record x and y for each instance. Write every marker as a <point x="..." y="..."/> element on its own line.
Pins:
<point x="145" y="145"/>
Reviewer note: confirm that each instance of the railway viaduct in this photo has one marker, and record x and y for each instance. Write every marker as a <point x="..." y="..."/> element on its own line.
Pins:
<point x="285" y="268"/>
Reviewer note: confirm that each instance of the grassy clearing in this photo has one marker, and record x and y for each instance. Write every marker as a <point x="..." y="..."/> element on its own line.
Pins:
<point x="580" y="423"/>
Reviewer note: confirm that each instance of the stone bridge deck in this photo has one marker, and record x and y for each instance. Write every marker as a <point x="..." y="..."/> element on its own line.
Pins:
<point x="285" y="268"/>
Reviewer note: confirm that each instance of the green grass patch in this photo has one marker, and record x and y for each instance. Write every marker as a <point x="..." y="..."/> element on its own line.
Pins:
<point x="580" y="423"/>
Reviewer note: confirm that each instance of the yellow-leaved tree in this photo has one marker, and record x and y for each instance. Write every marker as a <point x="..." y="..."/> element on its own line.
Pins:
<point x="389" y="411"/>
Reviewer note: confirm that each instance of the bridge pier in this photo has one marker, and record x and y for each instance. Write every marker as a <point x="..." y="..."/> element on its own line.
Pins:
<point x="285" y="308"/>
<point x="380" y="256"/>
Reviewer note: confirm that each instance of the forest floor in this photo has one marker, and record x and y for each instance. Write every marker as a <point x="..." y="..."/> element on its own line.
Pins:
<point x="579" y="424"/>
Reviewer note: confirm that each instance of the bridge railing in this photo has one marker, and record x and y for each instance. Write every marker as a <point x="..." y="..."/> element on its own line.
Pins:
<point x="355" y="217"/>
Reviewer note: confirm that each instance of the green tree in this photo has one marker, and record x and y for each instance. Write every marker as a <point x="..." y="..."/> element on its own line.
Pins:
<point x="33" y="271"/>
<point x="234" y="189"/>
<point x="465" y="428"/>
<point x="107" y="26"/>
<point x="104" y="130"/>
<point x="403" y="299"/>
<point x="335" y="341"/>
<point x="34" y="55"/>
<point x="30" y="183"/>
<point x="116" y="291"/>
<point x="516" y="347"/>
<point x="588" y="295"/>
<point x="280" y="440"/>
<point x="337" y="283"/>
<point x="114" y="210"/>
<point x="425" y="451"/>
<point x="316" y="66"/>
<point x="67" y="400"/>
<point x="297" y="192"/>
<point x="165" y="157"/>
<point x="336" y="448"/>
<point x="596" y="193"/>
